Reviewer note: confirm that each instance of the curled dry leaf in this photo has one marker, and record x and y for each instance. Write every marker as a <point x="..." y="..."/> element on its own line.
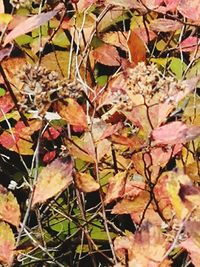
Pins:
<point x="9" y="207"/>
<point x="73" y="113"/>
<point x="106" y="55"/>
<point x="86" y="183"/>
<point x="7" y="244"/>
<point x="52" y="180"/>
<point x="116" y="187"/>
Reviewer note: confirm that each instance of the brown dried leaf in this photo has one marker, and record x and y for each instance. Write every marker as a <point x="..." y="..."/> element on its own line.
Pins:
<point x="52" y="180"/>
<point x="86" y="183"/>
<point x="7" y="244"/>
<point x="9" y="207"/>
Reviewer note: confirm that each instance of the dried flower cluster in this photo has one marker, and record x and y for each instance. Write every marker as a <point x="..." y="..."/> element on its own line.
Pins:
<point x="20" y="3"/>
<point x="41" y="87"/>
<point x="149" y="82"/>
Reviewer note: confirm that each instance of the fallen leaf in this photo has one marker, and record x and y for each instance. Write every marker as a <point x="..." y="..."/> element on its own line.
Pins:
<point x="7" y="244"/>
<point x="52" y="180"/>
<point x="106" y="55"/>
<point x="86" y="183"/>
<point x="137" y="48"/>
<point x="9" y="207"/>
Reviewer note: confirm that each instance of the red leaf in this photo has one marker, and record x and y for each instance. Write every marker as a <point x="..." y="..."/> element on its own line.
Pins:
<point x="189" y="44"/>
<point x="52" y="133"/>
<point x="31" y="23"/>
<point x="6" y="103"/>
<point x="107" y="55"/>
<point x="137" y="49"/>
<point x="7" y="140"/>
<point x="49" y="156"/>
<point x="53" y="179"/>
<point x="7" y="244"/>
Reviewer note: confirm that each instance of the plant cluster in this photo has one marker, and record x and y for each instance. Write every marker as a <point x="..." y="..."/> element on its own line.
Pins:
<point x="99" y="133"/>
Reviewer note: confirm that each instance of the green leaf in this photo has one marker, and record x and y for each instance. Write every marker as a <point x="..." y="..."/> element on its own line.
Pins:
<point x="2" y="91"/>
<point x="102" y="80"/>
<point x="60" y="39"/>
<point x="23" y="39"/>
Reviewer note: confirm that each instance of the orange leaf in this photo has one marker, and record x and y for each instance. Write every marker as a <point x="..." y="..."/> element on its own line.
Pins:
<point x="7" y="244"/>
<point x="6" y="104"/>
<point x="116" y="187"/>
<point x="73" y="113"/>
<point x="86" y="182"/>
<point x="52" y="180"/>
<point x="137" y="49"/>
<point x="9" y="208"/>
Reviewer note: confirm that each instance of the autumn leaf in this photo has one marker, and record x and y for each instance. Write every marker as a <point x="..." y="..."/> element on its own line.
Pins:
<point x="145" y="248"/>
<point x="86" y="183"/>
<point x="175" y="133"/>
<point x="52" y="180"/>
<point x="6" y="104"/>
<point x="49" y="156"/>
<point x="165" y="25"/>
<point x="73" y="113"/>
<point x="7" y="244"/>
<point x="189" y="9"/>
<point x="9" y="207"/>
<point x="106" y="55"/>
<point x="116" y="187"/>
<point x="52" y="133"/>
<point x="189" y="44"/>
<point x="30" y="24"/>
<point x="173" y="189"/>
<point x="137" y="49"/>
<point x="193" y="249"/>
